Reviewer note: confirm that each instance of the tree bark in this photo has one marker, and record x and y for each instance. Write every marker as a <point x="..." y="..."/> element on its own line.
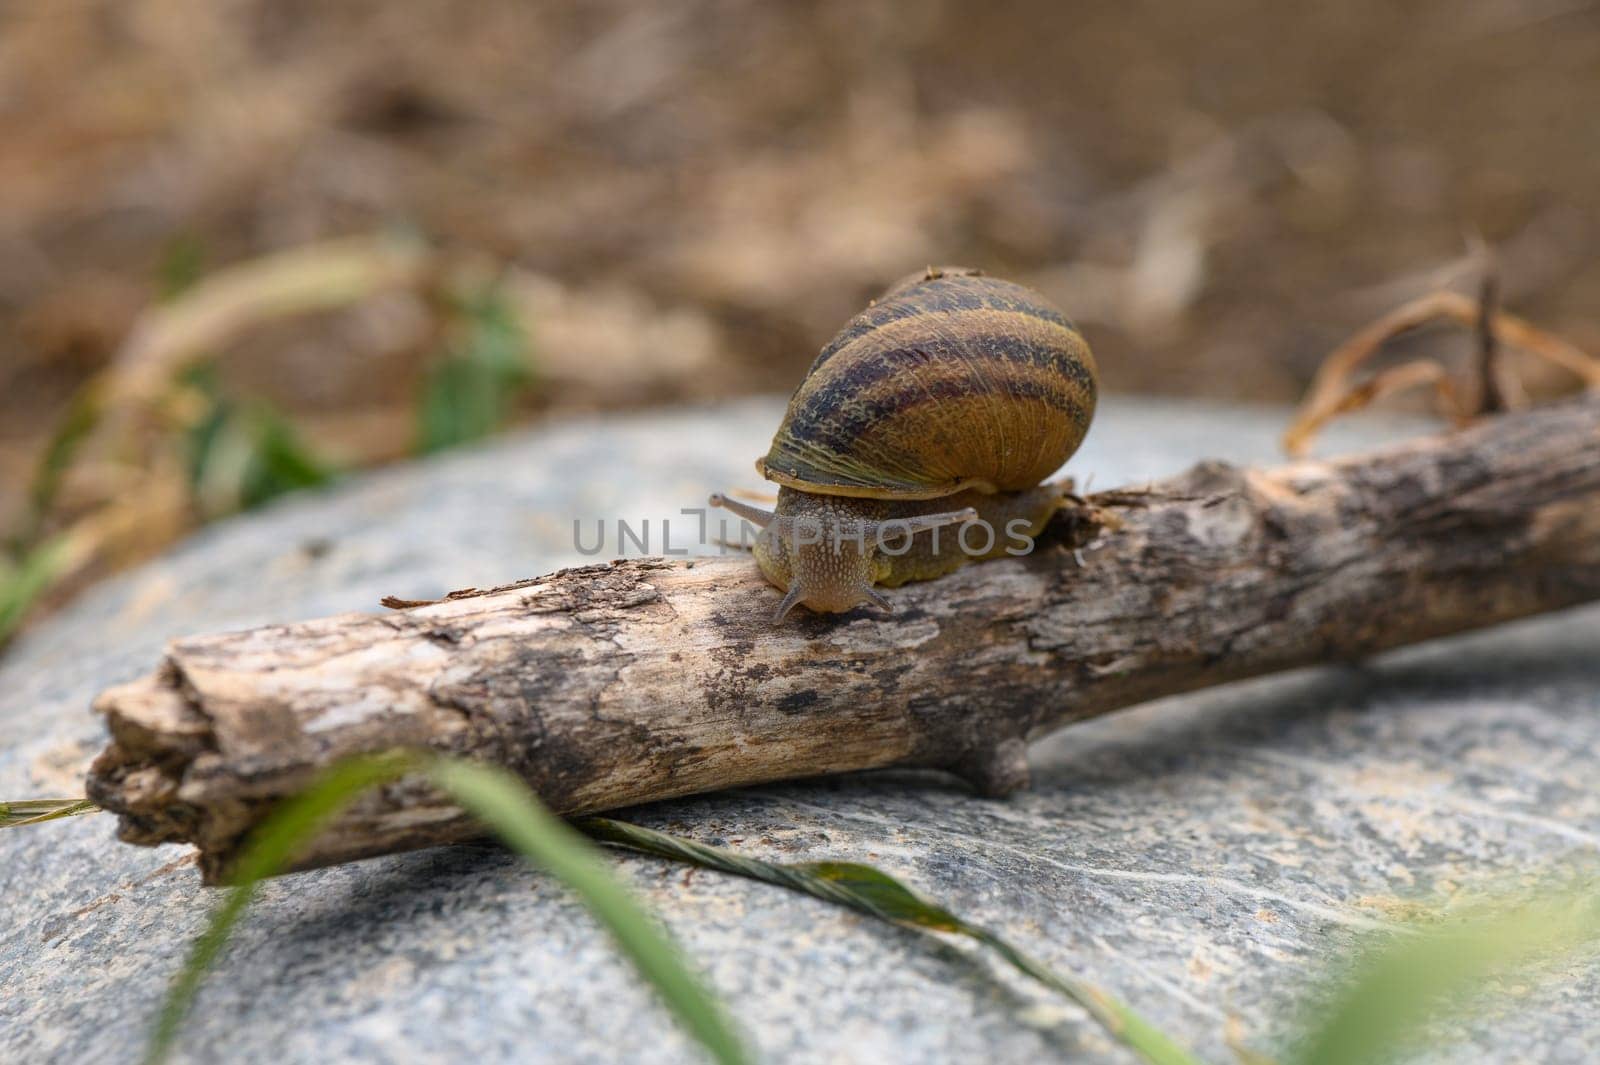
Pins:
<point x="618" y="684"/>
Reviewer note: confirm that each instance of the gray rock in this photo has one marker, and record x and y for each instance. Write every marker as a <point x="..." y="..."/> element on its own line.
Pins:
<point x="1205" y="858"/>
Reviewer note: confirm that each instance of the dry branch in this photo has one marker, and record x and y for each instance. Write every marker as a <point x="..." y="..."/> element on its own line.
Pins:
<point x="644" y="679"/>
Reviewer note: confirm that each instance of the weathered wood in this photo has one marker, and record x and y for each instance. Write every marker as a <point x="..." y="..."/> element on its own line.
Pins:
<point x="612" y="685"/>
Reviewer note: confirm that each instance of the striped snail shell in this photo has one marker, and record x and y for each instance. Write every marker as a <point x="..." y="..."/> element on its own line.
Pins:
<point x="946" y="402"/>
<point x="951" y="380"/>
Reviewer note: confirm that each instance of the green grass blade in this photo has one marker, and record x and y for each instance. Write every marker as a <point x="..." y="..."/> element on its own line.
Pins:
<point x="281" y="462"/>
<point x="472" y="388"/>
<point x="182" y="265"/>
<point x="877" y="894"/>
<point x="22" y="584"/>
<point x="289" y="827"/>
<point x="243" y="454"/>
<point x="37" y="811"/>
<point x="70" y="432"/>
<point x="504" y="803"/>
<point x="1400" y="986"/>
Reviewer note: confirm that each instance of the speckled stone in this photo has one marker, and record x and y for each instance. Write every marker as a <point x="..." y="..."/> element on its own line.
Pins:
<point x="1206" y="858"/>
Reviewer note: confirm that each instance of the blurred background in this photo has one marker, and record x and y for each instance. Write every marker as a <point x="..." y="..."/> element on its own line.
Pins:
<point x="249" y="245"/>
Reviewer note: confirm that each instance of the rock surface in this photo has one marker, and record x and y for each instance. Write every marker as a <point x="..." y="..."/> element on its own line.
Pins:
<point x="1206" y="858"/>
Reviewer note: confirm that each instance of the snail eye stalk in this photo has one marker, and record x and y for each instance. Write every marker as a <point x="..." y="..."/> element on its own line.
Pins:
<point x="762" y="518"/>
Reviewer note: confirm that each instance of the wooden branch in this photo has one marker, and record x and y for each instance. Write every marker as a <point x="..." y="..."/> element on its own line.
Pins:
<point x="612" y="685"/>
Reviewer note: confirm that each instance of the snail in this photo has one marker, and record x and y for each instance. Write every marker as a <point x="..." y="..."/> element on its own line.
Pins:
<point x="947" y="402"/>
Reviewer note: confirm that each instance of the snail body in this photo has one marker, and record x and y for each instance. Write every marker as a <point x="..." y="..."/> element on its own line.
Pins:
<point x="947" y="402"/>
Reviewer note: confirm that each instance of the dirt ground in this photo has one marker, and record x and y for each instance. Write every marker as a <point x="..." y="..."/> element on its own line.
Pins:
<point x="695" y="195"/>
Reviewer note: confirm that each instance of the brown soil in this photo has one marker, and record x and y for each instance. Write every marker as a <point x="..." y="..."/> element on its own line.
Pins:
<point x="1216" y="190"/>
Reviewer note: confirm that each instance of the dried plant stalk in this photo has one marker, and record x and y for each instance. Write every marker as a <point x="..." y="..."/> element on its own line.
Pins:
<point x="1332" y="392"/>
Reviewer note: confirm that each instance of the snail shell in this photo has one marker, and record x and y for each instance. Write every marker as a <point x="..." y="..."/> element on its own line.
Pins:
<point x="945" y="403"/>
<point x="950" y="381"/>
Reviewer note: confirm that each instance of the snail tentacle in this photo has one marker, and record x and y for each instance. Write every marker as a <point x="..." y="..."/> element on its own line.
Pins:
<point x="788" y="603"/>
<point x="761" y="518"/>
